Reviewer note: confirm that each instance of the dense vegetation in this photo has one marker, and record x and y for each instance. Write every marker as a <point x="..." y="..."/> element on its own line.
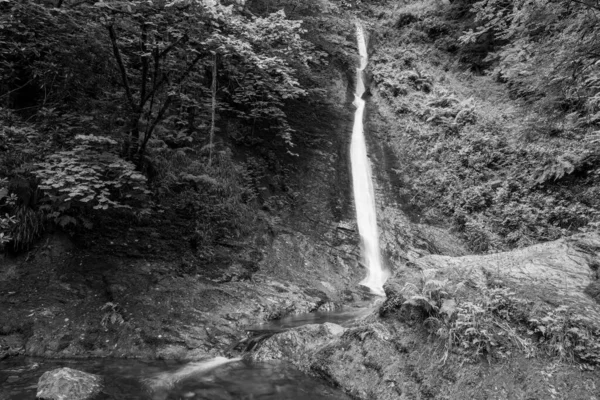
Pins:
<point x="495" y="112"/>
<point x="130" y="109"/>
<point x="134" y="107"/>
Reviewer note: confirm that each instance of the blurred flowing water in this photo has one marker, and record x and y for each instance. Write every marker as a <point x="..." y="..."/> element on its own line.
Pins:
<point x="364" y="194"/>
<point x="168" y="380"/>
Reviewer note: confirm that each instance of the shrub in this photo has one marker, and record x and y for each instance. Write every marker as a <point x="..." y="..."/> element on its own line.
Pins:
<point x="88" y="177"/>
<point x="217" y="198"/>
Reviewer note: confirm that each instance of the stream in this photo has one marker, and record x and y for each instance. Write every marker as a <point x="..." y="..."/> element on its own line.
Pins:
<point x="214" y="379"/>
<point x="131" y="379"/>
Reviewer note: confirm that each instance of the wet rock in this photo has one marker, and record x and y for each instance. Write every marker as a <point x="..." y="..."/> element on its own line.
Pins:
<point x="11" y="345"/>
<point x="560" y="272"/>
<point x="363" y="362"/>
<point x="327" y="307"/>
<point x="297" y="345"/>
<point x="68" y="384"/>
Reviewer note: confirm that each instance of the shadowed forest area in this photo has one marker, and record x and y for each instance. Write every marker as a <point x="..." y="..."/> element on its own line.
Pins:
<point x="128" y="114"/>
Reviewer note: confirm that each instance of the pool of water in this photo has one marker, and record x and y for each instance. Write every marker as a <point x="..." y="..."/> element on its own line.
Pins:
<point x="168" y="380"/>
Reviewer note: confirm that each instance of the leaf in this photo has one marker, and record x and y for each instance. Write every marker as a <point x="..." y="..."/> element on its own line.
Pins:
<point x="542" y="329"/>
<point x="66" y="220"/>
<point x="423" y="302"/>
<point x="448" y="307"/>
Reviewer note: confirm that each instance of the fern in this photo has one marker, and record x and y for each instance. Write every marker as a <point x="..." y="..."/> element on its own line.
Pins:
<point x="555" y="169"/>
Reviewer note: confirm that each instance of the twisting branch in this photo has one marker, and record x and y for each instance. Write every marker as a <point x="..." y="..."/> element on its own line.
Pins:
<point x="124" y="78"/>
<point x="153" y="92"/>
<point x="172" y="45"/>
<point x="150" y="130"/>
<point x="167" y="103"/>
<point x="214" y="107"/>
<point x="144" y="59"/>
<point x="189" y="68"/>
<point x="156" y="85"/>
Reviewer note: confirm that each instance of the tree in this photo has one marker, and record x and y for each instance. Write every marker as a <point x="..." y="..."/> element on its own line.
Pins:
<point x="97" y="82"/>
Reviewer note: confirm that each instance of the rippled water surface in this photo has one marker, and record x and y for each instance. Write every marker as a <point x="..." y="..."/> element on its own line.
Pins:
<point x="129" y="379"/>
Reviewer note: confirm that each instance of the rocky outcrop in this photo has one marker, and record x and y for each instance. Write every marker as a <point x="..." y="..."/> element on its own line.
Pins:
<point x="390" y="360"/>
<point x="68" y="384"/>
<point x="559" y="273"/>
<point x="297" y="345"/>
<point x="390" y="356"/>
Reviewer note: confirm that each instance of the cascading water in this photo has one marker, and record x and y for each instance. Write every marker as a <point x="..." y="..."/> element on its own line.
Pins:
<point x="364" y="195"/>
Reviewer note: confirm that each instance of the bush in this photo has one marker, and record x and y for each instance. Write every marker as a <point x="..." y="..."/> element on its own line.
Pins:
<point x="88" y="177"/>
<point x="217" y="198"/>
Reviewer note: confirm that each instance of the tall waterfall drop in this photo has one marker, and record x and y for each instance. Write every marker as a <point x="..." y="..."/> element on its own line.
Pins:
<point x="364" y="195"/>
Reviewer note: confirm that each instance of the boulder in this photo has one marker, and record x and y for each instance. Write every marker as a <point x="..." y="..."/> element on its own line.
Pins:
<point x="68" y="384"/>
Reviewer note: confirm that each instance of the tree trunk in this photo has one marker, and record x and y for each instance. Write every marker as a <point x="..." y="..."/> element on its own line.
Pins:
<point x="214" y="108"/>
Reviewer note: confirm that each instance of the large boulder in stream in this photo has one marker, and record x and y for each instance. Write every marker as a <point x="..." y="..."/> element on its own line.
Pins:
<point x="68" y="384"/>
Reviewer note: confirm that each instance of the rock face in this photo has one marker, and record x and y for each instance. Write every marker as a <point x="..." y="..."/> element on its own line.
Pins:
<point x="563" y="272"/>
<point x="297" y="345"/>
<point x="68" y="384"/>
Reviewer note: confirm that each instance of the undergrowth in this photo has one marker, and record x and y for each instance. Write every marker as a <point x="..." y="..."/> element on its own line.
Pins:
<point x="495" y="322"/>
<point x="73" y="186"/>
<point x="501" y="173"/>
<point x="217" y="197"/>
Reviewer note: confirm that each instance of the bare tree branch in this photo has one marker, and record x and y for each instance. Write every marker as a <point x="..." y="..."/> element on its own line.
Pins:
<point x="144" y="60"/>
<point x="213" y="108"/>
<point x="150" y="130"/>
<point x="124" y="78"/>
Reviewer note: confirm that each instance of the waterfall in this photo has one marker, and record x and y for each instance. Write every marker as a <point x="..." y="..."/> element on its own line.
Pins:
<point x="364" y="195"/>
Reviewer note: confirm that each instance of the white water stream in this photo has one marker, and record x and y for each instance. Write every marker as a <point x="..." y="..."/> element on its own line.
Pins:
<point x="364" y="195"/>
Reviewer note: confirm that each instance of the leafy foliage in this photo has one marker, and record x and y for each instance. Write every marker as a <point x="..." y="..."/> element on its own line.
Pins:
<point x="101" y="99"/>
<point x="548" y="55"/>
<point x="567" y="335"/>
<point x="505" y="173"/>
<point x="88" y="176"/>
<point x="494" y="322"/>
<point x="216" y="198"/>
<point x="7" y="221"/>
